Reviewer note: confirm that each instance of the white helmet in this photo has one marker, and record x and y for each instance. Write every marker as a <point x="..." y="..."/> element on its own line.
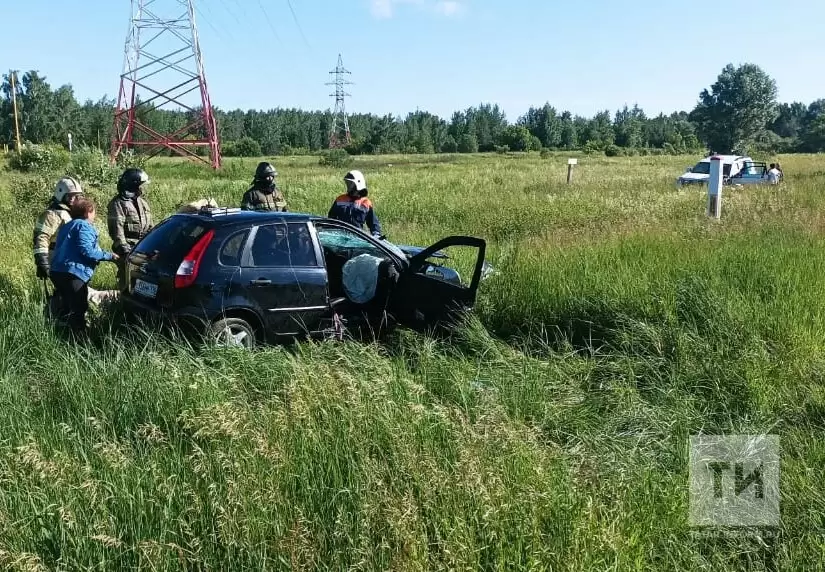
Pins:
<point x="65" y="187"/>
<point x="357" y="179"/>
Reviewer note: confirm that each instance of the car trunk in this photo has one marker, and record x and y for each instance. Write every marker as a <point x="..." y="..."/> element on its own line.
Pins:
<point x="154" y="262"/>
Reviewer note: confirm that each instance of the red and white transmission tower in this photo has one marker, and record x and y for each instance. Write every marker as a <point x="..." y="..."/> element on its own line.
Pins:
<point x="340" y="124"/>
<point x="163" y="61"/>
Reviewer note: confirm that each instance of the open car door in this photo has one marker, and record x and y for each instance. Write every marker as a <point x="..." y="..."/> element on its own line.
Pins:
<point x="428" y="295"/>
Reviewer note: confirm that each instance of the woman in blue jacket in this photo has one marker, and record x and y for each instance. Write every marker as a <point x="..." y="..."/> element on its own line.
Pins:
<point x="75" y="259"/>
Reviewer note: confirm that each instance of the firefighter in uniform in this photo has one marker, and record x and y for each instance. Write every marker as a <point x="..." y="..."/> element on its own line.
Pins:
<point x="50" y="221"/>
<point x="129" y="217"/>
<point x="47" y="226"/>
<point x="264" y="194"/>
<point x="354" y="207"/>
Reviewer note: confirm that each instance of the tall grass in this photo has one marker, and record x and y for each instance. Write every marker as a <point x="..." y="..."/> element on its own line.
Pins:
<point x="550" y="433"/>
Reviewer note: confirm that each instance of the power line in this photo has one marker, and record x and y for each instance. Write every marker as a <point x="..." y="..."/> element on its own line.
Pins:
<point x="209" y="23"/>
<point x="294" y="17"/>
<point x="230" y="12"/>
<point x="271" y="27"/>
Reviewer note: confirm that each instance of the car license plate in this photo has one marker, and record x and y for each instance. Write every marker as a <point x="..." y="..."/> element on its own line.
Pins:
<point x="146" y="288"/>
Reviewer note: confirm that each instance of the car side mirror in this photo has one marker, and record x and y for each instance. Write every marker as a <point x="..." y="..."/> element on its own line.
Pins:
<point x="689" y="170"/>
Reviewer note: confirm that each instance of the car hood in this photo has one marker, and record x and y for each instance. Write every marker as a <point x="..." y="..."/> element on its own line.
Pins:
<point x="694" y="177"/>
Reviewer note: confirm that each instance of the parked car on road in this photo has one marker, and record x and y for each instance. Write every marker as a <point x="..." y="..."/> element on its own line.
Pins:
<point x="244" y="277"/>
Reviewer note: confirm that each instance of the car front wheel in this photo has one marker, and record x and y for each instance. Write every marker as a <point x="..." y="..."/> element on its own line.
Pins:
<point x="233" y="332"/>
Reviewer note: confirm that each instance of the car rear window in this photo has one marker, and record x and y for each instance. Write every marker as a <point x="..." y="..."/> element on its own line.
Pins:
<point x="172" y="239"/>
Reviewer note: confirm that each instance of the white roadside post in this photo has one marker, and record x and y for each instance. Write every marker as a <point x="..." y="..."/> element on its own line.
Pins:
<point x="570" y="163"/>
<point x="70" y="142"/>
<point x="715" y="187"/>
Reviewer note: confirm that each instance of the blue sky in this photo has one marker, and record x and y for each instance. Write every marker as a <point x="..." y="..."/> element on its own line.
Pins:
<point x="441" y="55"/>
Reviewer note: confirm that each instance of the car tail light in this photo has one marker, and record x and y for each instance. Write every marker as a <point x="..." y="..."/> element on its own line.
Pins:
<point x="188" y="269"/>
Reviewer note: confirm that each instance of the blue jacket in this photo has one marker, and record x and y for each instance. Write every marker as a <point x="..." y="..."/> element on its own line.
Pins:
<point x="77" y="250"/>
<point x="357" y="212"/>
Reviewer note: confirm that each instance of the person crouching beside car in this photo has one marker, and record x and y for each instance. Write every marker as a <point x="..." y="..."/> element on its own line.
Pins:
<point x="75" y="259"/>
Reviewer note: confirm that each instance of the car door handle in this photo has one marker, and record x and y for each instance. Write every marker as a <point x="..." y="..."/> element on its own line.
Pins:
<point x="261" y="282"/>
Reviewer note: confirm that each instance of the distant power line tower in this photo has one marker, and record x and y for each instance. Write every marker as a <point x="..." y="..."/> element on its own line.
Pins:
<point x="339" y="134"/>
<point x="163" y="63"/>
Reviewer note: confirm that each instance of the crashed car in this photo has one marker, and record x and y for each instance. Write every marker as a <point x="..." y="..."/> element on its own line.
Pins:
<point x="245" y="278"/>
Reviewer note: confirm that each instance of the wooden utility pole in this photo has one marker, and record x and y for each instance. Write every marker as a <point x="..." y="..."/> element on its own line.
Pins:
<point x="16" y="122"/>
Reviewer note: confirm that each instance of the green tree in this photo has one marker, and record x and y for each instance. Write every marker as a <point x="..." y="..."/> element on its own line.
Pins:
<point x="812" y="129"/>
<point x="449" y="145"/>
<point x="569" y="133"/>
<point x="813" y="138"/>
<point x="628" y="127"/>
<point x="789" y="119"/>
<point x="516" y="137"/>
<point x="737" y="109"/>
<point x="47" y="115"/>
<point x="544" y="123"/>
<point x="247" y="147"/>
<point x="468" y="143"/>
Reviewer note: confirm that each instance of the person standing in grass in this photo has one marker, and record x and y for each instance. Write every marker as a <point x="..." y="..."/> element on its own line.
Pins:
<point x="75" y="259"/>
<point x="129" y="217"/>
<point x="264" y="194"/>
<point x="44" y="237"/>
<point x="774" y="174"/>
<point x="354" y="207"/>
<point x="50" y="220"/>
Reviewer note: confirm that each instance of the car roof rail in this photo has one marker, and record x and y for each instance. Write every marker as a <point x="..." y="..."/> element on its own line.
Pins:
<point x="217" y="211"/>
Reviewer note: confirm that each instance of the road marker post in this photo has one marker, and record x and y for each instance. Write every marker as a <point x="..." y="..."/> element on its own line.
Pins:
<point x="570" y="163"/>
<point x="715" y="188"/>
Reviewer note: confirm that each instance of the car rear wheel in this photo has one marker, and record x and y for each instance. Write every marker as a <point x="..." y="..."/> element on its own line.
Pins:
<point x="233" y="332"/>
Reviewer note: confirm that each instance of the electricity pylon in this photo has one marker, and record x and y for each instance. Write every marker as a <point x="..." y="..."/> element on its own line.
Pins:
<point x="166" y="74"/>
<point x="339" y="135"/>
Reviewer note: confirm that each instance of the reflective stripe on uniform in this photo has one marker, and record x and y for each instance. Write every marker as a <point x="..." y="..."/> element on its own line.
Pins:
<point x="46" y="228"/>
<point x="345" y="204"/>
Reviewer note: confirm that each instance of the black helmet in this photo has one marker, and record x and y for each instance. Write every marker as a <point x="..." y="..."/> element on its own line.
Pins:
<point x="131" y="182"/>
<point x="264" y="171"/>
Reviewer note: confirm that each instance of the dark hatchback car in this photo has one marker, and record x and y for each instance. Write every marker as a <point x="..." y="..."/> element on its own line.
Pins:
<point x="242" y="277"/>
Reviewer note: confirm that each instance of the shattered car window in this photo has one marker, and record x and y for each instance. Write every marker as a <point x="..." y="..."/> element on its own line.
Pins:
<point x="342" y="241"/>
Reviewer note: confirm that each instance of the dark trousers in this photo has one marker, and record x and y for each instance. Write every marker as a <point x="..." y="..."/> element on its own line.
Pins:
<point x="74" y="299"/>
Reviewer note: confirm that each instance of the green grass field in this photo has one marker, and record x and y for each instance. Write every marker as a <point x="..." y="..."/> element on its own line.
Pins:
<point x="552" y="433"/>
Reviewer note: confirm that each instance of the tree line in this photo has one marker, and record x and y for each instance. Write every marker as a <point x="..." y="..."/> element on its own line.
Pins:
<point x="739" y="113"/>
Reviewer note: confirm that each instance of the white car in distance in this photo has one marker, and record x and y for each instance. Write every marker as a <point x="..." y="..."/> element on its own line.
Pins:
<point x="732" y="165"/>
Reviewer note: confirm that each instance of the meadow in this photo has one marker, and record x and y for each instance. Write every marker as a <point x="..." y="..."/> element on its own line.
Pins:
<point x="550" y="432"/>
